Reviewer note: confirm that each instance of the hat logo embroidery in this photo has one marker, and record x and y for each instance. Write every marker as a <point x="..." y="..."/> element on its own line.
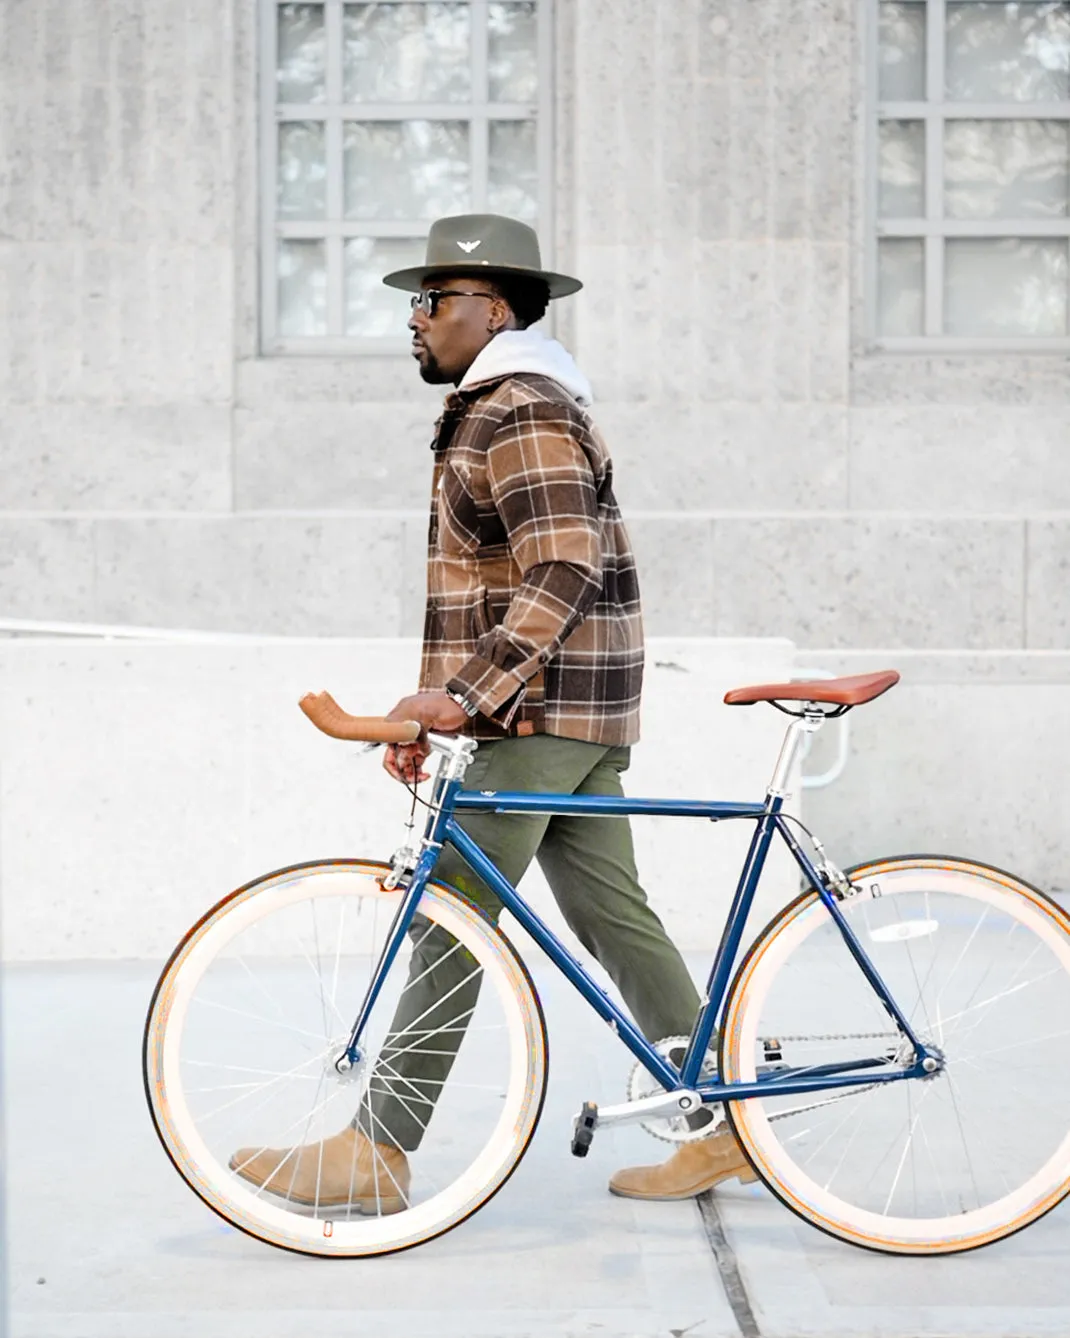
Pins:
<point x="469" y="247"/>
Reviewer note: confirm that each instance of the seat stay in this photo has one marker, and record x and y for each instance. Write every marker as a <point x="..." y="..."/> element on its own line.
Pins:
<point x="850" y="938"/>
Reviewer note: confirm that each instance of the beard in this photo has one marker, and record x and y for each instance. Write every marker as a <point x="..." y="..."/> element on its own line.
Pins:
<point x="431" y="370"/>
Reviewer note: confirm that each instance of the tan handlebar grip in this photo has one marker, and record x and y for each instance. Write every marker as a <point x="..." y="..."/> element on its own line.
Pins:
<point x="325" y="713"/>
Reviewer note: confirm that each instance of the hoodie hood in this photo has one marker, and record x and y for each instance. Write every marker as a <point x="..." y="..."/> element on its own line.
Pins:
<point x="529" y="350"/>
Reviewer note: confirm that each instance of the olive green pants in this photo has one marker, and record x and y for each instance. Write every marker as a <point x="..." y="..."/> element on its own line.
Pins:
<point x="590" y="865"/>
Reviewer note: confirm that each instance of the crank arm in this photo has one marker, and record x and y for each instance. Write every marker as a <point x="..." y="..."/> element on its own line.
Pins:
<point x="663" y="1104"/>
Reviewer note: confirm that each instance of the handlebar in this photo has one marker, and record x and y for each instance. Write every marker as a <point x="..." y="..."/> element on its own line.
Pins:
<point x="328" y="716"/>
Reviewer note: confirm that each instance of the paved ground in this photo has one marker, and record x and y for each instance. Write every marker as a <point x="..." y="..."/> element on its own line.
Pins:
<point x="106" y="1242"/>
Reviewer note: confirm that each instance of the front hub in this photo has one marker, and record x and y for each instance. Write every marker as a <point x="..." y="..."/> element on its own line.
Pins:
<point x="343" y="1064"/>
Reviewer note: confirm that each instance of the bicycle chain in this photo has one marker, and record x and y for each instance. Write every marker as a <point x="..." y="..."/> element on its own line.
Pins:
<point x="817" y="1105"/>
<point x="842" y="1096"/>
<point x="840" y="1036"/>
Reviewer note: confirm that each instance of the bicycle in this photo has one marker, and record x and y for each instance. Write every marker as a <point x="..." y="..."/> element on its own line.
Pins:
<point x="880" y="1052"/>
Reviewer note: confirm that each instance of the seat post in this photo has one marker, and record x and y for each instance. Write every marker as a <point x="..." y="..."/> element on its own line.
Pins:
<point x="808" y="722"/>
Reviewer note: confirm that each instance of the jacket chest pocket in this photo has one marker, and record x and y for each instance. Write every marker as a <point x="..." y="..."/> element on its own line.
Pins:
<point x="468" y="522"/>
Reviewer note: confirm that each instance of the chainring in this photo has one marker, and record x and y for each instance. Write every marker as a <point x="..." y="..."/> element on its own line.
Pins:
<point x="673" y="1128"/>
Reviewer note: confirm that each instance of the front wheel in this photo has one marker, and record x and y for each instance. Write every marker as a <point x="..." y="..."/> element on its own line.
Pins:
<point x="250" y="1015"/>
<point x="979" y="962"/>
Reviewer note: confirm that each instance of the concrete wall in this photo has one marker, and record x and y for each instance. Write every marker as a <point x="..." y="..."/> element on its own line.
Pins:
<point x="780" y="479"/>
<point x="140" y="783"/>
<point x="709" y="158"/>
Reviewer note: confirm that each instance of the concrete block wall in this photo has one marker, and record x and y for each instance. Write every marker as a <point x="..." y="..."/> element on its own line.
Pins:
<point x="780" y="478"/>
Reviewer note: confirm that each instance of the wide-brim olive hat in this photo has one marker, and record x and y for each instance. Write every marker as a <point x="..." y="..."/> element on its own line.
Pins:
<point x="483" y="244"/>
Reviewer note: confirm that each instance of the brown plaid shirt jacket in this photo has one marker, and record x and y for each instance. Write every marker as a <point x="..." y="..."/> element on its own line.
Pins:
<point x="533" y="601"/>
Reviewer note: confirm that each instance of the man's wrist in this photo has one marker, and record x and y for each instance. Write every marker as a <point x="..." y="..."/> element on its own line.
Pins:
<point x="463" y="702"/>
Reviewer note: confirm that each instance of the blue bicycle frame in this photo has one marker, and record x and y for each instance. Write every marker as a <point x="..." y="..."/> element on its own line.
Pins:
<point x="442" y="827"/>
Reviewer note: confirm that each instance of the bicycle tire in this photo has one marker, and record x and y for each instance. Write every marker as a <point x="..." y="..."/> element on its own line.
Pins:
<point x="503" y="987"/>
<point x="793" y="1149"/>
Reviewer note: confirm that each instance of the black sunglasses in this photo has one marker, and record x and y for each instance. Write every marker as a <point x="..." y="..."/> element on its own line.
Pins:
<point x="427" y="301"/>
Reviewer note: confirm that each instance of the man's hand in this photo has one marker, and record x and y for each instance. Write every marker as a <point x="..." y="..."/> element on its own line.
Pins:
<point x="435" y="711"/>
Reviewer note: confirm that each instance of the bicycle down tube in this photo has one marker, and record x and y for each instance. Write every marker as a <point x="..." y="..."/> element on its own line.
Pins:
<point x="443" y="827"/>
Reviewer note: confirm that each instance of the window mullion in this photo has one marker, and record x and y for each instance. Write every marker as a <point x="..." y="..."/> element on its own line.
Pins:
<point x="934" y="166"/>
<point x="544" y="129"/>
<point x="478" y="129"/>
<point x="269" y="157"/>
<point x="333" y="230"/>
<point x="871" y="268"/>
<point x="335" y="168"/>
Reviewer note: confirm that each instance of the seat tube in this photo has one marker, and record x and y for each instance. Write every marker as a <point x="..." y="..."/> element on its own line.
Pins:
<point x="717" y="985"/>
<point x="731" y="937"/>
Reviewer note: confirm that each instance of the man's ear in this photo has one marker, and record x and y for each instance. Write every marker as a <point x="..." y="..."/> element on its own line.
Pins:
<point x="501" y="316"/>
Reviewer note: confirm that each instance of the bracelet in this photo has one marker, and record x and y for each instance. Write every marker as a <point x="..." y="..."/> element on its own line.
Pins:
<point x="463" y="702"/>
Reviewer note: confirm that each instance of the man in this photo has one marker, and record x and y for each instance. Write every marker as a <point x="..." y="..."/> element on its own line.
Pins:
<point x="533" y="643"/>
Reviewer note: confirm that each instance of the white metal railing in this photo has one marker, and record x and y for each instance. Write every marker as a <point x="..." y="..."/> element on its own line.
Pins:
<point x="119" y="632"/>
<point x="843" y="741"/>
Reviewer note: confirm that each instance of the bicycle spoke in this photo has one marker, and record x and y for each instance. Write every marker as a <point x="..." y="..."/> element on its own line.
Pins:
<point x="984" y="976"/>
<point x="272" y="1000"/>
<point x="965" y="948"/>
<point x="395" y="1054"/>
<point x="338" y="955"/>
<point x="908" y="1145"/>
<point x="257" y="1086"/>
<point x="318" y="968"/>
<point x="415" y="980"/>
<point x="983" y="1135"/>
<point x="913" y="969"/>
<point x="381" y="1088"/>
<point x="1018" y="1044"/>
<point x="307" y="1118"/>
<point x="263" y="1087"/>
<point x="241" y="1012"/>
<point x="376" y="1154"/>
<point x="960" y="1034"/>
<point x="317" y="973"/>
<point x="843" y="1154"/>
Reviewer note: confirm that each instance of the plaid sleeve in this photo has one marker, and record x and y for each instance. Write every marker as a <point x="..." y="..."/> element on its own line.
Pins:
<point x="544" y="489"/>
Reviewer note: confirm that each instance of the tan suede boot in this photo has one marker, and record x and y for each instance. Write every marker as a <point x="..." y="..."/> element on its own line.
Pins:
<point x="350" y="1170"/>
<point x="693" y="1168"/>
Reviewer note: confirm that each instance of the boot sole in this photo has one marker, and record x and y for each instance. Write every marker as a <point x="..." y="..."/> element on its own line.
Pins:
<point x="372" y="1207"/>
<point x="746" y="1177"/>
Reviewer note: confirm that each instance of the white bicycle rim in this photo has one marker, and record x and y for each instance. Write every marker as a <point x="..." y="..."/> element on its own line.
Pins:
<point x="331" y="1232"/>
<point x="772" y="1142"/>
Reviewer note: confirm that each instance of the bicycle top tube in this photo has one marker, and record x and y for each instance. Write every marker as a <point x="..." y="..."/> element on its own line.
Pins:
<point x="513" y="801"/>
<point x="457" y="753"/>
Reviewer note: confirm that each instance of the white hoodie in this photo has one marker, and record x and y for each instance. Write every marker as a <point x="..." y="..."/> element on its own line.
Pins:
<point x="532" y="351"/>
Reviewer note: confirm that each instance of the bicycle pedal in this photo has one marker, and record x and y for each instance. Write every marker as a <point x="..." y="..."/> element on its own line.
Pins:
<point x="583" y="1127"/>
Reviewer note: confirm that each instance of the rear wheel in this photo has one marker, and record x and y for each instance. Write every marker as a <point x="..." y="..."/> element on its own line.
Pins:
<point x="980" y="963"/>
<point x="257" y="1002"/>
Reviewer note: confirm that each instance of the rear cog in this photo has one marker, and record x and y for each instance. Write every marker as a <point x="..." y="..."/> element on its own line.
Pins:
<point x="676" y="1128"/>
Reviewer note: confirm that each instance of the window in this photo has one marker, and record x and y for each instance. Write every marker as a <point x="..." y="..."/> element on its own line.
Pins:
<point x="970" y="177"/>
<point x="377" y="119"/>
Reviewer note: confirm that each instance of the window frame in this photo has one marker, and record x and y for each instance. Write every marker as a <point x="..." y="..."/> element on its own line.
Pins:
<point x="934" y="228"/>
<point x="334" y="113"/>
